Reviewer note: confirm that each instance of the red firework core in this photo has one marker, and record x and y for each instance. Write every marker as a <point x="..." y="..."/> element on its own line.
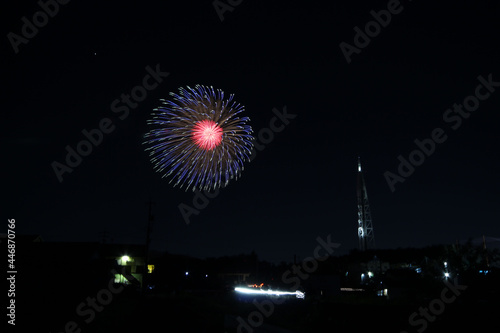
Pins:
<point x="207" y="134"/>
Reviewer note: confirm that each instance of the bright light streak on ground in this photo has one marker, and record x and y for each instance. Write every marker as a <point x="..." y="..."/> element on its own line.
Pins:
<point x="299" y="294"/>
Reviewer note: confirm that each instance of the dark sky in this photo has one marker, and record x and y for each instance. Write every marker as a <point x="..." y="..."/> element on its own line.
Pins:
<point x="270" y="54"/>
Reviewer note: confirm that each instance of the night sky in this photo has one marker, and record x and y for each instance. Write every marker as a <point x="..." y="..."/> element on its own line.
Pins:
<point x="270" y="54"/>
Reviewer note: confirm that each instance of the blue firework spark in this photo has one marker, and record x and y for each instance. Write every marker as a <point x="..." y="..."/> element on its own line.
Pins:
<point x="198" y="140"/>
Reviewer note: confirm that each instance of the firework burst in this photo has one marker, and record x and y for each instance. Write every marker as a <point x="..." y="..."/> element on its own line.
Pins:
<point x="198" y="138"/>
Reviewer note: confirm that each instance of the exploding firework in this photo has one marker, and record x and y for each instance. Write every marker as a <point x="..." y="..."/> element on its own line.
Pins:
<point x="198" y="138"/>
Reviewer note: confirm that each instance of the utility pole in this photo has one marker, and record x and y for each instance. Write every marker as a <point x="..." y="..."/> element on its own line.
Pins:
<point x="150" y="204"/>
<point x="485" y="252"/>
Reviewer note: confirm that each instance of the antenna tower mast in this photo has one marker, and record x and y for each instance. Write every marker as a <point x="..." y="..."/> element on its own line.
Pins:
<point x="365" y="227"/>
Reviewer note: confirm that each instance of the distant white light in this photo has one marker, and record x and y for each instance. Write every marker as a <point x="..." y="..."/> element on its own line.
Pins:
<point x="187" y="273"/>
<point x="370" y="274"/>
<point x="125" y="259"/>
<point x="206" y="275"/>
<point x="445" y="264"/>
<point x="298" y="294"/>
<point x="447" y="274"/>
